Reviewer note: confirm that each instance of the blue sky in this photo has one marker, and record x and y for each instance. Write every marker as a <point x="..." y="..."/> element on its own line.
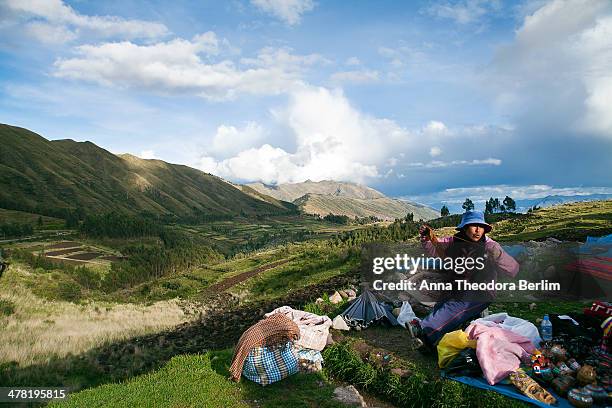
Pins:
<point x="417" y="99"/>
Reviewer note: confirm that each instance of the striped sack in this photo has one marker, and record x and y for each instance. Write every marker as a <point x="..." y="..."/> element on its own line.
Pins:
<point x="266" y="365"/>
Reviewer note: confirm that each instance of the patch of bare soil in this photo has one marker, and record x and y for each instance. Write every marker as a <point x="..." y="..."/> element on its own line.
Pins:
<point x="85" y="256"/>
<point x="62" y="251"/>
<point x="234" y="280"/>
<point x="64" y="244"/>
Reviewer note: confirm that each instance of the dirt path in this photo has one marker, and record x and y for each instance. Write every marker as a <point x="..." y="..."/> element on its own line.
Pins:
<point x="234" y="280"/>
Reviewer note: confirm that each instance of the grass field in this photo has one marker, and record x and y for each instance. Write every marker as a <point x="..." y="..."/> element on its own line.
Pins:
<point x="36" y="329"/>
<point x="201" y="381"/>
<point x="573" y="222"/>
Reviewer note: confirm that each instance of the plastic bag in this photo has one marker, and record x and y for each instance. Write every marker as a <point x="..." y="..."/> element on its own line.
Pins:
<point x="406" y="314"/>
<point x="451" y="345"/>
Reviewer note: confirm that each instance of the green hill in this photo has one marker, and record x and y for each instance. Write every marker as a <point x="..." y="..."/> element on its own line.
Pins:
<point x="50" y="177"/>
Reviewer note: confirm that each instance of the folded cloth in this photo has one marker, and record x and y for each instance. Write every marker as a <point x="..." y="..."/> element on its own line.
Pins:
<point x="274" y="330"/>
<point x="499" y="351"/>
<point x="314" y="329"/>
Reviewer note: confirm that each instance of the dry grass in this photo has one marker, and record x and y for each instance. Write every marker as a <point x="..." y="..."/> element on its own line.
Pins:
<point x="39" y="329"/>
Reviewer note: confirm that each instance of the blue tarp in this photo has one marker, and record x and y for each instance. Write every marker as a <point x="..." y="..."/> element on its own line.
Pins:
<point x="507" y="390"/>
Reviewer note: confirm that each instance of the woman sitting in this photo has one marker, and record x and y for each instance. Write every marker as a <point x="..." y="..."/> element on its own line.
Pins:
<point x="458" y="307"/>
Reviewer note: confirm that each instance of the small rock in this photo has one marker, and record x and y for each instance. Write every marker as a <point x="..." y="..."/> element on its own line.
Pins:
<point x="319" y="300"/>
<point x="350" y="293"/>
<point x="343" y="294"/>
<point x="538" y="320"/>
<point x="532" y="306"/>
<point x="339" y="324"/>
<point x="396" y="311"/>
<point x="350" y="396"/>
<point x="335" y="298"/>
<point x="330" y="340"/>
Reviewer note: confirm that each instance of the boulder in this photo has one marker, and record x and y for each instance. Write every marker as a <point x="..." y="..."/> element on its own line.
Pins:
<point x="349" y="396"/>
<point x="339" y="324"/>
<point x="335" y="298"/>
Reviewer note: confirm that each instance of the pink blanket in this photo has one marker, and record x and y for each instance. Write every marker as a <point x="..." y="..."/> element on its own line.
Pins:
<point x="499" y="351"/>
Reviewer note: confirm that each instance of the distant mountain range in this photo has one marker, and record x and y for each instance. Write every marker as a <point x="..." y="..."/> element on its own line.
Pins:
<point x="48" y="177"/>
<point x="522" y="205"/>
<point x="343" y="198"/>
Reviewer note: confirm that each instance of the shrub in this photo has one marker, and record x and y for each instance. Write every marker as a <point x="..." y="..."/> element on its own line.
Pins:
<point x="69" y="291"/>
<point x="7" y="307"/>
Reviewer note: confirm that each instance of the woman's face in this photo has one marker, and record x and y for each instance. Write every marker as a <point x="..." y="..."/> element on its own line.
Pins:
<point x="474" y="232"/>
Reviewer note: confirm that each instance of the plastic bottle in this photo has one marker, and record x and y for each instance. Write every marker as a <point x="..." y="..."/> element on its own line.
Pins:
<point x="546" y="329"/>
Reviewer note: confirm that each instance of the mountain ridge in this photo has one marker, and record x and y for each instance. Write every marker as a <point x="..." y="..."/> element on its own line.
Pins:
<point x="52" y="177"/>
<point x="344" y="198"/>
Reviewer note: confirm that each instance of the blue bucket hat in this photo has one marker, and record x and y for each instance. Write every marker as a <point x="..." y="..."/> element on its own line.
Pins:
<point x="474" y="217"/>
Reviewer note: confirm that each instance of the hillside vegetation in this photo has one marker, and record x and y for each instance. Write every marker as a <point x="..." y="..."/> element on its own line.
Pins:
<point x="53" y="177"/>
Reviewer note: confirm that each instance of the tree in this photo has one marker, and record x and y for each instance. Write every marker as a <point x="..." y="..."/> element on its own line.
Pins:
<point x="510" y="204"/>
<point x="489" y="206"/>
<point x="444" y="211"/>
<point x="468" y="205"/>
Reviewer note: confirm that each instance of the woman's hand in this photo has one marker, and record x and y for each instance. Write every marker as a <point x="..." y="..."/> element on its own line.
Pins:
<point x="425" y="232"/>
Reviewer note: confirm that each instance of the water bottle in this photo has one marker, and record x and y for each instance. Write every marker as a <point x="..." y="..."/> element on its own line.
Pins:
<point x="546" y="329"/>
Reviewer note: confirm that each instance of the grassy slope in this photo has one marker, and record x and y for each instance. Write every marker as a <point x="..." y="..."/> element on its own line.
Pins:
<point x="50" y="175"/>
<point x="384" y="208"/>
<point x="23" y="217"/>
<point x="566" y="222"/>
<point x="201" y="381"/>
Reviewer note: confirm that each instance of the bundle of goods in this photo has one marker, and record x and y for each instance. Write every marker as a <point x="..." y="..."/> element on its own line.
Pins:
<point x="284" y="342"/>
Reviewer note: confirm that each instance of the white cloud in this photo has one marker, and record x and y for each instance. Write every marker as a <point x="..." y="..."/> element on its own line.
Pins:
<point x="183" y="66"/>
<point x="63" y="23"/>
<point x="353" y="61"/>
<point x="148" y="154"/>
<point x="289" y="11"/>
<point x="49" y="33"/>
<point x="229" y="140"/>
<point x="333" y="141"/>
<point x="435" y="127"/>
<point x="464" y="12"/>
<point x="475" y="162"/>
<point x="435" y="151"/>
<point x="360" y="76"/>
<point x="557" y="70"/>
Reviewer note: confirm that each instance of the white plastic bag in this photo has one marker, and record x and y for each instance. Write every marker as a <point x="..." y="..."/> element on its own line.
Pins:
<point x="406" y="314"/>
<point x="513" y="324"/>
